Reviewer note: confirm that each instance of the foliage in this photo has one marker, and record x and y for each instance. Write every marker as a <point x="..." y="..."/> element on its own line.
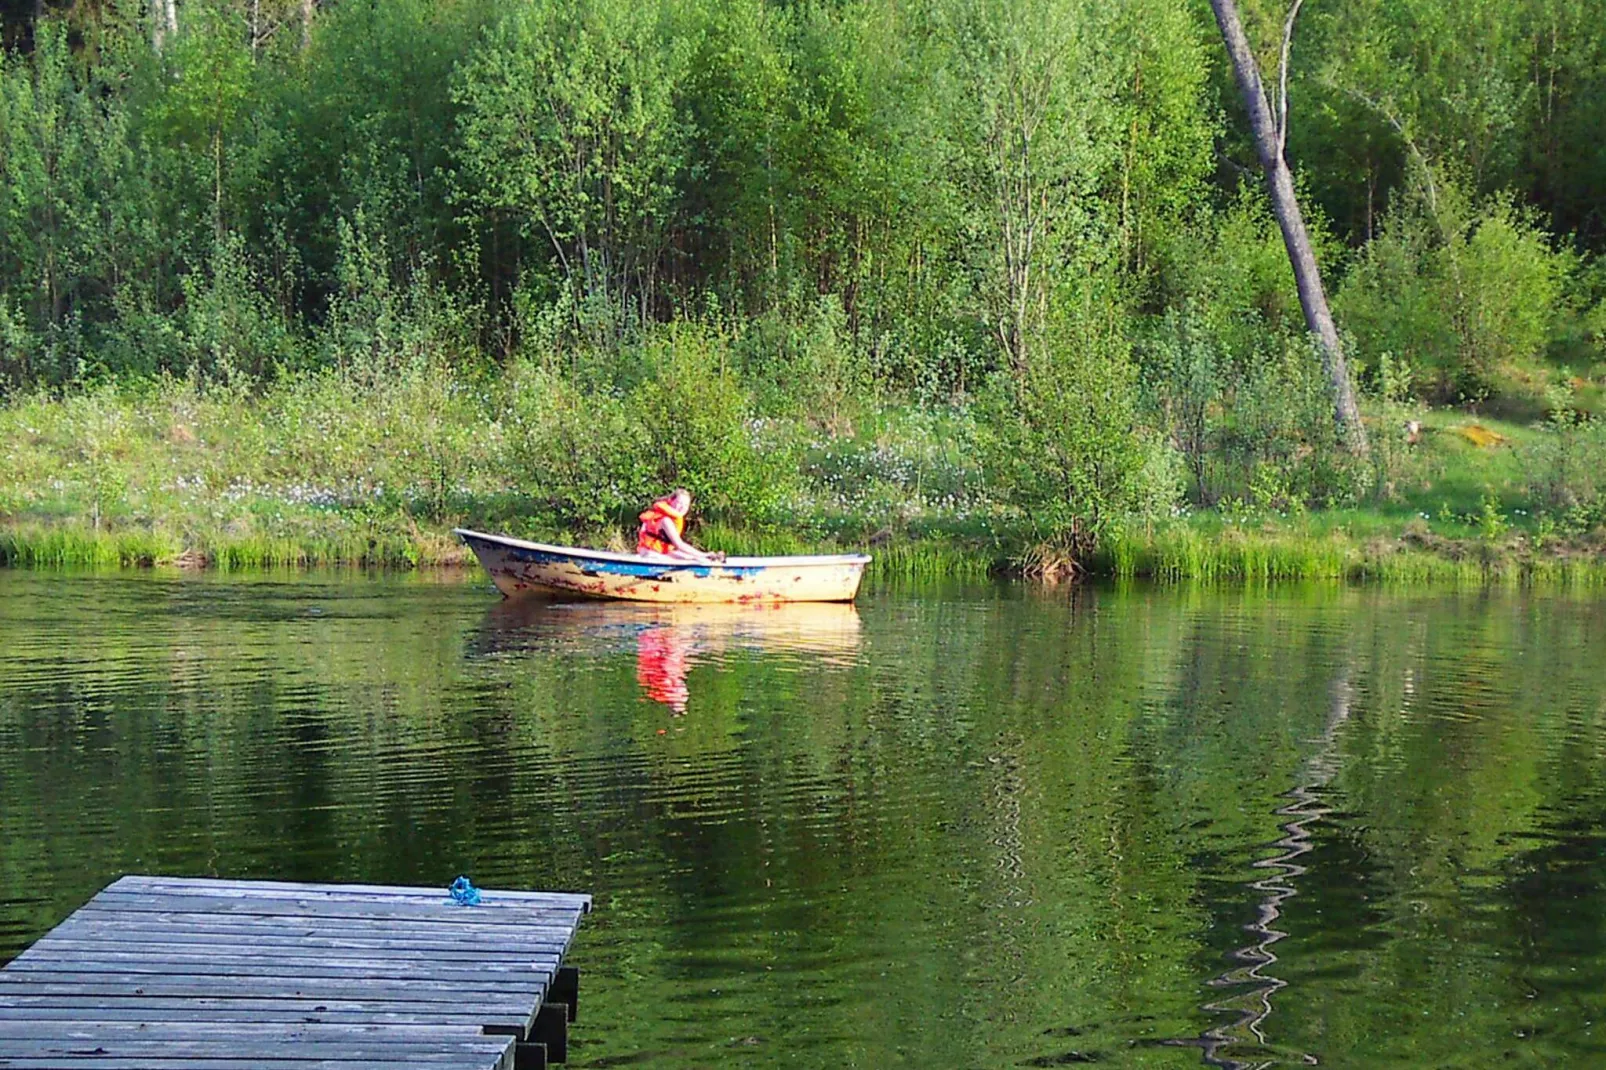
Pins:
<point x="1032" y="137"/>
<point x="580" y="455"/>
<point x="1250" y="423"/>
<point x="569" y="123"/>
<point x="695" y="416"/>
<point x="1397" y="429"/>
<point x="1467" y="294"/>
<point x="570" y="252"/>
<point x="1063" y="444"/>
<point x="1567" y="470"/>
<point x="229" y="326"/>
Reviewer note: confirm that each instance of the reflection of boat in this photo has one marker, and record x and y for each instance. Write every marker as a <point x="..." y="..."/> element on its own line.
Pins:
<point x="669" y="640"/>
<point x="519" y="567"/>
<point x="826" y="632"/>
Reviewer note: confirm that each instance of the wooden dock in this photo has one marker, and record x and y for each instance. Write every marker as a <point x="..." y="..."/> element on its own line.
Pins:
<point x="163" y="973"/>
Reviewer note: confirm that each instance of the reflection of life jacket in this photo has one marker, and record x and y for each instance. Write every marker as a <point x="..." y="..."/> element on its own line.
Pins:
<point x="650" y="539"/>
<point x="663" y="658"/>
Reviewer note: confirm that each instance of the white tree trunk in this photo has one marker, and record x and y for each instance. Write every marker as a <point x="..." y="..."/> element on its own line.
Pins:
<point x="164" y="22"/>
<point x="1269" y="138"/>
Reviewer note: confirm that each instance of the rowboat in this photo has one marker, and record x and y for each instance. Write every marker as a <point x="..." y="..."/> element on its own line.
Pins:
<point x="518" y="567"/>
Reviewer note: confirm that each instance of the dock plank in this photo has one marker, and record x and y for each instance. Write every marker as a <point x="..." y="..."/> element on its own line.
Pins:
<point x="91" y="1061"/>
<point x="490" y="912"/>
<point x="246" y="964"/>
<point x="207" y="886"/>
<point x="197" y="926"/>
<point x="205" y="974"/>
<point x="329" y="951"/>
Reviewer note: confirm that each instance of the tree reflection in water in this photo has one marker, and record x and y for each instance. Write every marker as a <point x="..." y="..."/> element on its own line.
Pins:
<point x="1253" y="1004"/>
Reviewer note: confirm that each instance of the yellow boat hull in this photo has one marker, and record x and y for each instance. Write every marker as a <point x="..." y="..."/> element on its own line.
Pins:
<point x="520" y="568"/>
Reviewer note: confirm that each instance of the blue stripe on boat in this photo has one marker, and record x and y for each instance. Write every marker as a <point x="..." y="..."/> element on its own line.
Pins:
<point x="650" y="570"/>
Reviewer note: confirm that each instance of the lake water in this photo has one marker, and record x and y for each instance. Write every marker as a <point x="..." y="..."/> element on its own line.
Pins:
<point x="957" y="826"/>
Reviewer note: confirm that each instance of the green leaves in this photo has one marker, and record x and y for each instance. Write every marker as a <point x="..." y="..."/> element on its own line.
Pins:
<point x="570" y="123"/>
<point x="1064" y="443"/>
<point x="1468" y="292"/>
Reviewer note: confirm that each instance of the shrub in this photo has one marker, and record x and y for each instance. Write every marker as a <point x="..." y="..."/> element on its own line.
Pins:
<point x="229" y="327"/>
<point x="1567" y="468"/>
<point x="695" y="416"/>
<point x="1248" y="412"/>
<point x="582" y="456"/>
<point x="1396" y="462"/>
<point x="378" y="324"/>
<point x="804" y="365"/>
<point x="1469" y="294"/>
<point x="1062" y="441"/>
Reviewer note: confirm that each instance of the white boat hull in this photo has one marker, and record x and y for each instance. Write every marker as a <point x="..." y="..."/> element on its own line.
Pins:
<point x="518" y="568"/>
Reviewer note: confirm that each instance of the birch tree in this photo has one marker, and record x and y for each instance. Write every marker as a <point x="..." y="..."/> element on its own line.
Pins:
<point x="1036" y="151"/>
<point x="164" y="22"/>
<point x="569" y="123"/>
<point x="1271" y="137"/>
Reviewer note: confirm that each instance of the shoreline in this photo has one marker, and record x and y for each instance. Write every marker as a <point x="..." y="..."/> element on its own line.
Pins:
<point x="1185" y="551"/>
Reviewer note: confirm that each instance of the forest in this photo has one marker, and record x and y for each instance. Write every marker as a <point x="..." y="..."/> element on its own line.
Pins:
<point x="283" y="280"/>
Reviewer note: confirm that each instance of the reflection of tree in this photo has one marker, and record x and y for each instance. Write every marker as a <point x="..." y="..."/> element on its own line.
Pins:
<point x="1007" y="838"/>
<point x="1305" y="808"/>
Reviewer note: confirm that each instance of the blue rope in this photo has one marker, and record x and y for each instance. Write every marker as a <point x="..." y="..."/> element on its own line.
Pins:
<point x="464" y="894"/>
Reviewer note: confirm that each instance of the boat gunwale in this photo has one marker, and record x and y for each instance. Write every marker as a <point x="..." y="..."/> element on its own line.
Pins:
<point x="802" y="560"/>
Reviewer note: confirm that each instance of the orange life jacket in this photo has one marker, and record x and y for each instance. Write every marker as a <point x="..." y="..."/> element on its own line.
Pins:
<point x="650" y="538"/>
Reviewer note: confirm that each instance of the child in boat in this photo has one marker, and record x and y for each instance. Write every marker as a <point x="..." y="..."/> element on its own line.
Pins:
<point x="661" y="526"/>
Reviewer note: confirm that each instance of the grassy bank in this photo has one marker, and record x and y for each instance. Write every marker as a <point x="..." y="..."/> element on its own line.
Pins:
<point x="1191" y="549"/>
<point x="1207" y="549"/>
<point x="326" y="470"/>
<point x="335" y="469"/>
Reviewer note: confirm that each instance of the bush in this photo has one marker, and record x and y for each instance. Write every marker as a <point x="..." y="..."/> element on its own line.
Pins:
<point x="1248" y="412"/>
<point x="1062" y="442"/>
<point x="696" y="419"/>
<point x="1230" y="273"/>
<point x="593" y="453"/>
<point x="1469" y="294"/>
<point x="1396" y="462"/>
<point x="804" y="365"/>
<point x="377" y="323"/>
<point x="1567" y="469"/>
<point x="229" y="326"/>
<point x="582" y="456"/>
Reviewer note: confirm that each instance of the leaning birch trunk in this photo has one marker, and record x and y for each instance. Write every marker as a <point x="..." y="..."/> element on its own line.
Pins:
<point x="306" y="23"/>
<point x="164" y="22"/>
<point x="1269" y="139"/>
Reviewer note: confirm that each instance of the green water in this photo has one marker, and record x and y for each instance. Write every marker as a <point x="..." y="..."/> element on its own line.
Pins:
<point x="979" y="826"/>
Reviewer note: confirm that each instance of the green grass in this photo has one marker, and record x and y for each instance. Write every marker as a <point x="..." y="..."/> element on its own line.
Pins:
<point x="316" y="473"/>
<point x="1206" y="549"/>
<point x="934" y="559"/>
<point x="71" y="544"/>
<point x="1193" y="549"/>
<point x="1448" y="475"/>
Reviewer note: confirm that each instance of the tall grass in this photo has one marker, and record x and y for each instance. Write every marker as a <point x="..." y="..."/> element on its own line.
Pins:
<point x="336" y="470"/>
<point x="1176" y="553"/>
<point x="79" y="546"/>
<point x="61" y="546"/>
<point x="1202" y="551"/>
<point x="934" y="559"/>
